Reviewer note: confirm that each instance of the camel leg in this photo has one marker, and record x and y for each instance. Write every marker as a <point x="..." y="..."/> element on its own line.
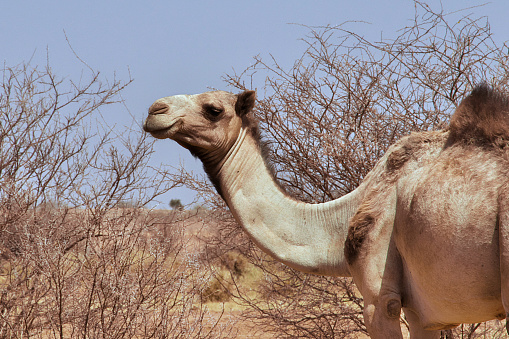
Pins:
<point x="376" y="266"/>
<point x="379" y="286"/>
<point x="503" y="224"/>
<point x="416" y="330"/>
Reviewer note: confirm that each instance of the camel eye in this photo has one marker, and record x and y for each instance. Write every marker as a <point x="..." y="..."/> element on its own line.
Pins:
<point x="214" y="111"/>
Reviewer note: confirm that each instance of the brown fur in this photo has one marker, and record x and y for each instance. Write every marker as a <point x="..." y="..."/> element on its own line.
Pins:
<point x="411" y="147"/>
<point x="360" y="225"/>
<point x="482" y="118"/>
<point x="399" y="157"/>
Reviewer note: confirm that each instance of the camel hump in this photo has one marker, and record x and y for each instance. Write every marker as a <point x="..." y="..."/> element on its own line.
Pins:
<point x="481" y="118"/>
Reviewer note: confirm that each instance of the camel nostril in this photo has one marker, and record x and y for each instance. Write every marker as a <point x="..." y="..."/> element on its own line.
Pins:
<point x="158" y="108"/>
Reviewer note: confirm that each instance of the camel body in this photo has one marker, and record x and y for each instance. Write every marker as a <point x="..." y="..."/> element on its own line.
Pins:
<point x="425" y="232"/>
<point x="433" y="243"/>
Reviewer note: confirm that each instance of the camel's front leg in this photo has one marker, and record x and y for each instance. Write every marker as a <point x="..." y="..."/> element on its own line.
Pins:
<point x="376" y="266"/>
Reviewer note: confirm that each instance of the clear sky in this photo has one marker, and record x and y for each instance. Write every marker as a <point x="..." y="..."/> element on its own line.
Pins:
<point x="185" y="47"/>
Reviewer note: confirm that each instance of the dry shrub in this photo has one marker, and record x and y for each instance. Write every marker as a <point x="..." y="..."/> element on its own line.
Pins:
<point x="80" y="254"/>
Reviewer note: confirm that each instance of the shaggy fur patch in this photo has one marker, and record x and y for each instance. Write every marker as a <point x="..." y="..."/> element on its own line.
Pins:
<point x="482" y="118"/>
<point x="410" y="147"/>
<point x="360" y="225"/>
<point x="399" y="157"/>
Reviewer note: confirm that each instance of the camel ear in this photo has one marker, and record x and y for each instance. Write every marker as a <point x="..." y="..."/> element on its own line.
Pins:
<point x="245" y="102"/>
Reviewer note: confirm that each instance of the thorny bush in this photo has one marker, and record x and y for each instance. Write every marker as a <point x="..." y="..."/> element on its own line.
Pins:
<point x="80" y="256"/>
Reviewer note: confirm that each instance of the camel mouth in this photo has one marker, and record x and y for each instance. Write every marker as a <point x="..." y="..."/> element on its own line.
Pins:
<point x="160" y="129"/>
<point x="163" y="133"/>
<point x="152" y="128"/>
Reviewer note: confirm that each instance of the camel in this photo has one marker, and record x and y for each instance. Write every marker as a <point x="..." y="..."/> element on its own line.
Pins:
<point x="426" y="233"/>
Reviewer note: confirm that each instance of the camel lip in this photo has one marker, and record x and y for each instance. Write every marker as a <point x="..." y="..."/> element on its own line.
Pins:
<point x="151" y="129"/>
<point x="156" y="123"/>
<point x="160" y="132"/>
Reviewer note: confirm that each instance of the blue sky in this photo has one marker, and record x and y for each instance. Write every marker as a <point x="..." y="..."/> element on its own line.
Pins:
<point x="187" y="46"/>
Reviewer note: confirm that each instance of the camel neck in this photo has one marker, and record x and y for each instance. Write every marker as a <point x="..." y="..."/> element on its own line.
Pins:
<point x="213" y="162"/>
<point x="307" y="237"/>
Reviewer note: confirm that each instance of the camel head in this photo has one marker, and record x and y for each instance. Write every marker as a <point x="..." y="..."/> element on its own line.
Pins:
<point x="206" y="124"/>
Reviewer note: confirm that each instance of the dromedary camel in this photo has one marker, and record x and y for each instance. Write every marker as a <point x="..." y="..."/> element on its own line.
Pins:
<point x="427" y="231"/>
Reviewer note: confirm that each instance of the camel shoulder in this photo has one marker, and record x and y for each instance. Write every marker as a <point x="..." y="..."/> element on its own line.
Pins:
<point x="400" y="160"/>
